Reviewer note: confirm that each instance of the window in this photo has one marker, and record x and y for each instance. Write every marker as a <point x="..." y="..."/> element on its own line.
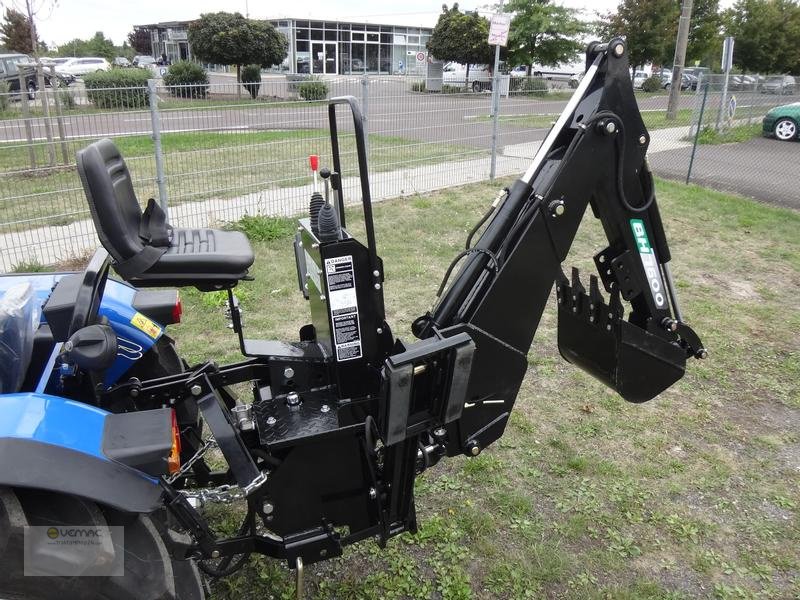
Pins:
<point x="399" y="40"/>
<point x="330" y="35"/>
<point x="372" y="37"/>
<point x="302" y="34"/>
<point x="358" y="36"/>
<point x="316" y="34"/>
<point x="344" y="36"/>
<point x="413" y="40"/>
<point x="302" y="46"/>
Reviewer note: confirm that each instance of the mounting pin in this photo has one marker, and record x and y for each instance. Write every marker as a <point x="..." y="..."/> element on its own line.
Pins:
<point x="215" y="554"/>
<point x="195" y="390"/>
<point x="288" y="372"/>
<point x="474" y="448"/>
<point x="557" y="208"/>
<point x="619" y="50"/>
<point x="611" y="127"/>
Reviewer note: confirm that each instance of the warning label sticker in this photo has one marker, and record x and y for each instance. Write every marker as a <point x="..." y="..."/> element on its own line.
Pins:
<point x="343" y="305"/>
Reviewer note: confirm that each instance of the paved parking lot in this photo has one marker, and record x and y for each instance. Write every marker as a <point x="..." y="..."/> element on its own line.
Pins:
<point x="761" y="168"/>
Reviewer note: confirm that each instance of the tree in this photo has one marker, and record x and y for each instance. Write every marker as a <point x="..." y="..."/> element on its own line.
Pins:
<point x="139" y="39"/>
<point x="461" y="37"/>
<point x="230" y="39"/>
<point x="99" y="45"/>
<point x="15" y="32"/>
<point x="649" y="27"/>
<point x="767" y="34"/>
<point x="704" y="32"/>
<point x="543" y="32"/>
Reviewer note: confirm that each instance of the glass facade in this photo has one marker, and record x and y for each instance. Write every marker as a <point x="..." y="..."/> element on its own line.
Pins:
<point x="328" y="47"/>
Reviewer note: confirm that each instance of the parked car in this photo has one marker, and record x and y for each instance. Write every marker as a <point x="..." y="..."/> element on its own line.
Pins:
<point x="783" y="84"/>
<point x="456" y="74"/>
<point x="121" y="61"/>
<point x="639" y="77"/>
<point x="9" y="73"/>
<point x="686" y="81"/>
<point x="783" y="122"/>
<point x="143" y="61"/>
<point x="78" y="67"/>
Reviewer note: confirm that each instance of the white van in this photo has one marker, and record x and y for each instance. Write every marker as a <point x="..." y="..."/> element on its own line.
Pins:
<point x="456" y="74"/>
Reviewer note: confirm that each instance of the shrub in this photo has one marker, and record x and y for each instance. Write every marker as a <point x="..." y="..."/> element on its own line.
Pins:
<point x="117" y="88"/>
<point x="652" y="84"/>
<point x="452" y="89"/>
<point x="532" y="86"/>
<point x="3" y="96"/>
<point x="67" y="99"/>
<point x="418" y="86"/>
<point x="251" y="79"/>
<point x="186" y="79"/>
<point x="313" y="88"/>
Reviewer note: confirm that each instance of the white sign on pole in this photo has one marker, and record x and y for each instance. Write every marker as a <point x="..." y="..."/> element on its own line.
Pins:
<point x="421" y="57"/>
<point x="498" y="29"/>
<point x="727" y="54"/>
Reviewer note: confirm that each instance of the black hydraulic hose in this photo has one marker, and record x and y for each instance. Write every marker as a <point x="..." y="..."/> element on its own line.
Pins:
<point x="461" y="255"/>
<point x="620" y="143"/>
<point x="228" y="566"/>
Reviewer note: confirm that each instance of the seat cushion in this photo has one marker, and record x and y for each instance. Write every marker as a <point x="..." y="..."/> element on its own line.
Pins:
<point x="205" y="251"/>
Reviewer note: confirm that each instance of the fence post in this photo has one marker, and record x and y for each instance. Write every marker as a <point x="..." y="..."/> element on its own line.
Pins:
<point x="155" y="119"/>
<point x="55" y="85"/>
<point x="365" y="109"/>
<point x="697" y="132"/>
<point x="23" y="102"/>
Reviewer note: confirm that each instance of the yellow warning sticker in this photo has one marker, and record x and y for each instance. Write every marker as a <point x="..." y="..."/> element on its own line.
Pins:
<point x="149" y="327"/>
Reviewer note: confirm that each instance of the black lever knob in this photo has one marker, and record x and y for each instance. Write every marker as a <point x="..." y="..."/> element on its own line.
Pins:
<point x="324" y="172"/>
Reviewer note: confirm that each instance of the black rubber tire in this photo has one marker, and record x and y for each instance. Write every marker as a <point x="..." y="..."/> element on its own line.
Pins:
<point x="476" y="86"/>
<point x="31" y="91"/>
<point x="150" y="573"/>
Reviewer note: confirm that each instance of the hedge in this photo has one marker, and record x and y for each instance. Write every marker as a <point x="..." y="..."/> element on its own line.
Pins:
<point x="118" y="88"/>
<point x="186" y="79"/>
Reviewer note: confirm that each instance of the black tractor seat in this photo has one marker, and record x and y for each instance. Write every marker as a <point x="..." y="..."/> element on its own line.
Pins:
<point x="146" y="250"/>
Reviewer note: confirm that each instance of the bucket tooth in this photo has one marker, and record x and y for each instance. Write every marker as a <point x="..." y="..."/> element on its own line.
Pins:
<point x="578" y="292"/>
<point x="596" y="301"/>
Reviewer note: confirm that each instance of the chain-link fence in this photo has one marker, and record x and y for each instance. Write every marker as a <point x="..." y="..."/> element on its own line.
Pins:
<point x="212" y="153"/>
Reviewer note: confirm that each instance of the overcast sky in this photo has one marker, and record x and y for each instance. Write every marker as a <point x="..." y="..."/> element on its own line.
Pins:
<point x="115" y="18"/>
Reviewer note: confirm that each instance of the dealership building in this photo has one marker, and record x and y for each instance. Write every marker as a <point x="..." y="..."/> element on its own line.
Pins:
<point x="320" y="47"/>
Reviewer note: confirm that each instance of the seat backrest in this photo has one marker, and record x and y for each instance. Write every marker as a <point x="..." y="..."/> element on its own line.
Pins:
<point x="19" y="319"/>
<point x="115" y="210"/>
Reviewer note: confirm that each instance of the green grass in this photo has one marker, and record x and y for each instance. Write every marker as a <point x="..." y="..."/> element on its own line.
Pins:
<point x="198" y="165"/>
<point x="694" y="494"/>
<point x="732" y="135"/>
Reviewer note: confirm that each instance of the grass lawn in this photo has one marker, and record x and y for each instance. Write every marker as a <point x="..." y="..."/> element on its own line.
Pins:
<point x="694" y="494"/>
<point x="741" y="133"/>
<point x="199" y="165"/>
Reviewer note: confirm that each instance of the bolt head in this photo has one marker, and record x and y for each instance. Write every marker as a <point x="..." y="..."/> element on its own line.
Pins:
<point x="195" y="390"/>
<point x="373" y="493"/>
<point x="325" y="408"/>
<point x="376" y="273"/>
<point x="642" y="140"/>
<point x="440" y="432"/>
<point x="475" y="450"/>
<point x="292" y="399"/>
<point x="703" y="353"/>
<point x="322" y="297"/>
<point x="215" y="554"/>
<point x="271" y="421"/>
<point x="288" y="372"/>
<point x="611" y="127"/>
<point x="268" y="508"/>
<point x="377" y="286"/>
<point x="619" y="50"/>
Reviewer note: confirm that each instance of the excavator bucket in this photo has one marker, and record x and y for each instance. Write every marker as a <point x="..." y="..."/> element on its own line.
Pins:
<point x="594" y="336"/>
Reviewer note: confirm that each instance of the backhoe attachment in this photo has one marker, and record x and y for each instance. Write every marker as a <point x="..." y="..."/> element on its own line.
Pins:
<point x="625" y="328"/>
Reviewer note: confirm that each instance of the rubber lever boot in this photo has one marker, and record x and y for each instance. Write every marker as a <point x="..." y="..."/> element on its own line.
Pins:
<point x="317" y="202"/>
<point x="329" y="229"/>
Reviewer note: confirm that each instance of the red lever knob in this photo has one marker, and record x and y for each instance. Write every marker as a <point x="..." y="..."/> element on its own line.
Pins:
<point x="313" y="160"/>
